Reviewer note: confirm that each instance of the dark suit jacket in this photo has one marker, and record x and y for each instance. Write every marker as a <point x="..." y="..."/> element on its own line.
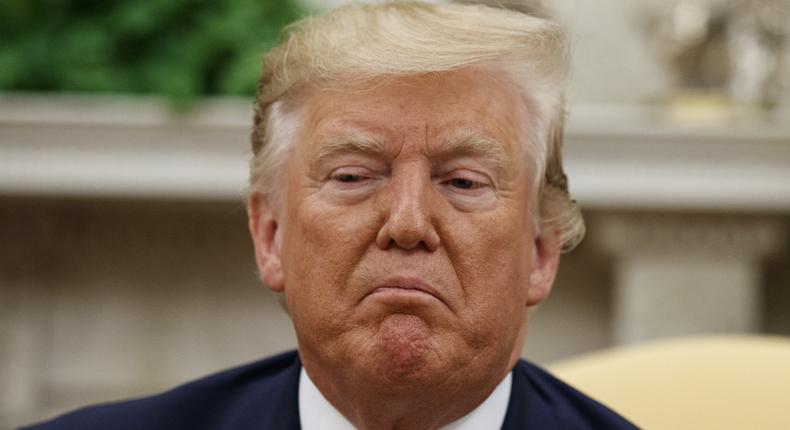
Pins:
<point x="264" y="395"/>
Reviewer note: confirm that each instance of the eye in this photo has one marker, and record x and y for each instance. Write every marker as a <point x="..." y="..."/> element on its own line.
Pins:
<point x="466" y="181"/>
<point x="464" y="184"/>
<point x="347" y="177"/>
<point x="468" y="189"/>
<point x="351" y="178"/>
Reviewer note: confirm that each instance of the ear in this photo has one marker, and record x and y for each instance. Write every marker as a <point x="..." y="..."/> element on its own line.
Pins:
<point x="264" y="227"/>
<point x="545" y="261"/>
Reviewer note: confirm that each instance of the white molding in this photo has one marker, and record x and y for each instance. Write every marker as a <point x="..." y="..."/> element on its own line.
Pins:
<point x="122" y="148"/>
<point x="616" y="156"/>
<point x="636" y="157"/>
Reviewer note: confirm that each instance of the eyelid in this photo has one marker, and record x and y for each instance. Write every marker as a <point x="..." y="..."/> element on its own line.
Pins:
<point x="469" y="175"/>
<point x="365" y="177"/>
<point x="349" y="170"/>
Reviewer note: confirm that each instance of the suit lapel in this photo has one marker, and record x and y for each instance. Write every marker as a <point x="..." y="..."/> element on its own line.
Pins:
<point x="526" y="409"/>
<point x="286" y="403"/>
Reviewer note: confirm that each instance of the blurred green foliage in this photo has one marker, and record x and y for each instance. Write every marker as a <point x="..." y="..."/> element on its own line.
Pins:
<point x="181" y="49"/>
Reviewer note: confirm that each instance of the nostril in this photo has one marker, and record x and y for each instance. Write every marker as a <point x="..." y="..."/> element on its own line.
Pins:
<point x="418" y="245"/>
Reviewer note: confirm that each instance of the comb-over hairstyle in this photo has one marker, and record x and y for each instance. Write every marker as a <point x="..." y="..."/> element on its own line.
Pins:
<point x="360" y="43"/>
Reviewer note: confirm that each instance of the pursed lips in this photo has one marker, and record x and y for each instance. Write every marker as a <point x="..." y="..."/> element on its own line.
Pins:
<point x="408" y="285"/>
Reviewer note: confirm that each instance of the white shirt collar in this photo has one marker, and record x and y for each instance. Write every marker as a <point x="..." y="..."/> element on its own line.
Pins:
<point x="316" y="413"/>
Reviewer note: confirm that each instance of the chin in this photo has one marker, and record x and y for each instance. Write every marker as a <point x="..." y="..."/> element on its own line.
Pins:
<point x="403" y="350"/>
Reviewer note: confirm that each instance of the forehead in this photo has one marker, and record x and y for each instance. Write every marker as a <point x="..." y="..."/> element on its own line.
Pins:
<point x="414" y="111"/>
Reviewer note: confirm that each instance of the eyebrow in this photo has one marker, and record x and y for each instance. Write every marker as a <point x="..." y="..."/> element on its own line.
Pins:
<point x="353" y="142"/>
<point x="472" y="143"/>
<point x="462" y="141"/>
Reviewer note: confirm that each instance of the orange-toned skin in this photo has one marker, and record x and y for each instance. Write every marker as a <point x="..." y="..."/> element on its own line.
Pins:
<point x="407" y="268"/>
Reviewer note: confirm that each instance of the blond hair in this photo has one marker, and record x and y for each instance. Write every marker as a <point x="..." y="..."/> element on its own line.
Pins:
<point x="359" y="43"/>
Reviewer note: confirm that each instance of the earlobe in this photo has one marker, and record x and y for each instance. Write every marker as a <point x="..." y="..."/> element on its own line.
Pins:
<point x="546" y="259"/>
<point x="264" y="229"/>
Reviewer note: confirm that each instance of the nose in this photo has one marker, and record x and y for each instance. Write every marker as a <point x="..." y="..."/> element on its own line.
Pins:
<point x="407" y="209"/>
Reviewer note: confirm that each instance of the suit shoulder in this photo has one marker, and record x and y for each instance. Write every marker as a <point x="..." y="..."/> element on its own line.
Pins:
<point x="570" y="408"/>
<point x="203" y="403"/>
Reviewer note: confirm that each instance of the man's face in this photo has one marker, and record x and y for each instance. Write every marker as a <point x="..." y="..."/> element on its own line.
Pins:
<point x="404" y="246"/>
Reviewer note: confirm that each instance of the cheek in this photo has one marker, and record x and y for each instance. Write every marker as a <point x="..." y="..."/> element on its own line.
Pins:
<point x="321" y="247"/>
<point x="491" y="256"/>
